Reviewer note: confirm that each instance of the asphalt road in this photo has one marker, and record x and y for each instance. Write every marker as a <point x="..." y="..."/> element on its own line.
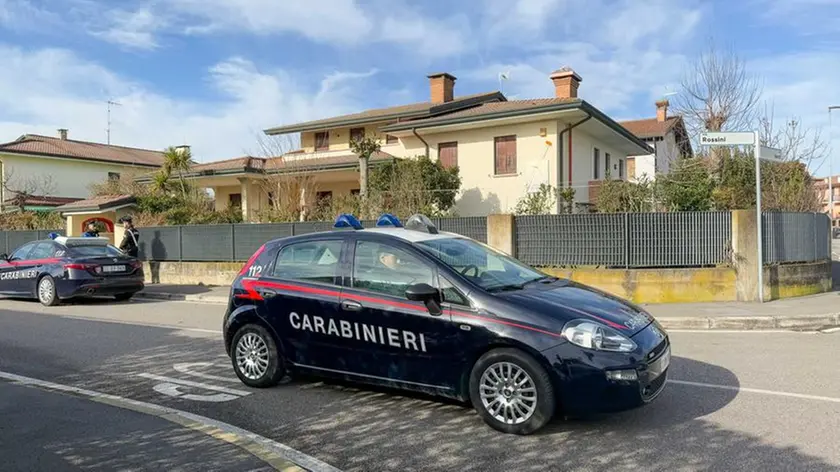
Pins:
<point x="752" y="401"/>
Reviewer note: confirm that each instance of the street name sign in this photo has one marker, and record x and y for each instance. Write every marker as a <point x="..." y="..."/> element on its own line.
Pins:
<point x="727" y="139"/>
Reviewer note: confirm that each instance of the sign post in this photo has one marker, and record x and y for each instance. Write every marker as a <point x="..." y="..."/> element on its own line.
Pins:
<point x="760" y="152"/>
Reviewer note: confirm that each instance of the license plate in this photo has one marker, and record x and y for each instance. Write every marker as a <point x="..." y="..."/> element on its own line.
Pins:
<point x="113" y="268"/>
<point x="657" y="367"/>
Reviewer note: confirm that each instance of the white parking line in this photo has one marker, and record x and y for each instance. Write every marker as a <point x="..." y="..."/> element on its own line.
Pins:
<point x="757" y="390"/>
<point x="307" y="462"/>
<point x="190" y="383"/>
<point x="186" y="369"/>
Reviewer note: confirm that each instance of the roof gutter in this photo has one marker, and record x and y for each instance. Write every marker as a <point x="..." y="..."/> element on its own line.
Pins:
<point x="414" y="130"/>
<point x="560" y="144"/>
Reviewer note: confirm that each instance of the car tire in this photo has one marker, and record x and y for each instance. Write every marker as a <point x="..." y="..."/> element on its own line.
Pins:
<point x="121" y="297"/>
<point x="255" y="357"/>
<point x="45" y="291"/>
<point x="518" y="393"/>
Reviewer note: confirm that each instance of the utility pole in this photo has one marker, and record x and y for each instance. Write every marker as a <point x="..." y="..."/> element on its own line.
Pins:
<point x="108" y="129"/>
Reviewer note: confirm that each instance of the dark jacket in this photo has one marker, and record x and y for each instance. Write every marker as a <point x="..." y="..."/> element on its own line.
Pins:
<point x="91" y="234"/>
<point x="130" y="241"/>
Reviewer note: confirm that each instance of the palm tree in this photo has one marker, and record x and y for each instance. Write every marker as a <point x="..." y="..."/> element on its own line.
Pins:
<point x="178" y="160"/>
<point x="160" y="180"/>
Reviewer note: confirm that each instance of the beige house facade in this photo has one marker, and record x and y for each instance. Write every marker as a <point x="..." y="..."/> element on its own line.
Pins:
<point x="502" y="148"/>
<point x="668" y="138"/>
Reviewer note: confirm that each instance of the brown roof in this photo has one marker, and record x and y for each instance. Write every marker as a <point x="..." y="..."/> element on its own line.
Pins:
<point x="496" y="107"/>
<point x="280" y="164"/>
<point x="417" y="110"/>
<point x="650" y="127"/>
<point x="99" y="203"/>
<point x="42" y="200"/>
<point x="84" y="150"/>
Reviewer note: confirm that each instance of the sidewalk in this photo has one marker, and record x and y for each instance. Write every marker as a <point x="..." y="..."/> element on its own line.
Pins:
<point x="811" y="312"/>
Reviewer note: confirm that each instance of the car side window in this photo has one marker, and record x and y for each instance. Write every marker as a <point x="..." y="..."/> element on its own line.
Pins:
<point x="313" y="261"/>
<point x="22" y="252"/>
<point x="386" y="269"/>
<point x="43" y="250"/>
<point x="451" y="294"/>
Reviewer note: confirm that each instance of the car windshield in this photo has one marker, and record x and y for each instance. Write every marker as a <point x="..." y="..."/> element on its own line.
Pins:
<point x="95" y="251"/>
<point x="488" y="268"/>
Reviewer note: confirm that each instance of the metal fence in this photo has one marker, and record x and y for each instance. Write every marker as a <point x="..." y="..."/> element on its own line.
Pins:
<point x="11" y="240"/>
<point x="237" y="242"/>
<point x="685" y="239"/>
<point x="796" y="237"/>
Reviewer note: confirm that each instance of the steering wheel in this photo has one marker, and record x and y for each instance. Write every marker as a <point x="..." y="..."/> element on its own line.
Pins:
<point x="467" y="268"/>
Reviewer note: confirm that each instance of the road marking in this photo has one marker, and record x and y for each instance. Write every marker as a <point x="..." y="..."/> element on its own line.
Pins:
<point x="190" y="383"/>
<point x="830" y="330"/>
<point x="756" y="390"/>
<point x="260" y="446"/>
<point x="171" y="390"/>
<point x="185" y="368"/>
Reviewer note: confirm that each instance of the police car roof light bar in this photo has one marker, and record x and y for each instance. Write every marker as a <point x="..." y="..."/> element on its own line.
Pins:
<point x="347" y="221"/>
<point x="420" y="222"/>
<point x="71" y="242"/>
<point x="388" y="220"/>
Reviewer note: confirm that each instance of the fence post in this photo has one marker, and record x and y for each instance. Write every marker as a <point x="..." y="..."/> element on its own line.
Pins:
<point x="626" y="240"/>
<point x="232" y="242"/>
<point x="814" y="230"/>
<point x="501" y="233"/>
<point x="180" y="244"/>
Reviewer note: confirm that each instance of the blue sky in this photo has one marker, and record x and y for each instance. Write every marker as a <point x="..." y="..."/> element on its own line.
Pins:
<point x="213" y="73"/>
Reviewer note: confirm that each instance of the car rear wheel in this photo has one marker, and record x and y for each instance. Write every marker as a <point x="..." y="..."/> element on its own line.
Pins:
<point x="46" y="292"/>
<point x="121" y="297"/>
<point x="512" y="392"/>
<point x="255" y="357"/>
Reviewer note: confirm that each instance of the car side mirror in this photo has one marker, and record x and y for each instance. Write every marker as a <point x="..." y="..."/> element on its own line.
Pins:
<point x="427" y="294"/>
<point x="4" y="257"/>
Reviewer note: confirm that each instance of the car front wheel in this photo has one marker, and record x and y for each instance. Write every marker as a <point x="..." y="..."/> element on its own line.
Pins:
<point x="512" y="392"/>
<point x="255" y="357"/>
<point x="47" y="294"/>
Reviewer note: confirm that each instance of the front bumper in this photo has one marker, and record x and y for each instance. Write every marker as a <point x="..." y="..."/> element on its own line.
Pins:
<point x="584" y="387"/>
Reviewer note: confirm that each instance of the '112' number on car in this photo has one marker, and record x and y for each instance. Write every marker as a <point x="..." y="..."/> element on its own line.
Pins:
<point x="254" y="271"/>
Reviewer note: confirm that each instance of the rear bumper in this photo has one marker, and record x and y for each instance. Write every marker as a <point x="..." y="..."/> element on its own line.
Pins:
<point x="93" y="287"/>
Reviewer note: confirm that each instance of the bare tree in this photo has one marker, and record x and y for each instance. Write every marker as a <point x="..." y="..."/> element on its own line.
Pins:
<point x="718" y="93"/>
<point x="797" y="143"/>
<point x="289" y="183"/>
<point x="20" y="189"/>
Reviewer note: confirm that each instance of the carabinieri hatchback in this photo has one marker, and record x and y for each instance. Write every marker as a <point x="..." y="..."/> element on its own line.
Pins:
<point x="415" y="308"/>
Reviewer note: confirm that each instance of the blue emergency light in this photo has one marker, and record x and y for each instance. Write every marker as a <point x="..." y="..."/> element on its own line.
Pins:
<point x="388" y="220"/>
<point x="347" y="221"/>
<point x="52" y="235"/>
<point x="422" y="223"/>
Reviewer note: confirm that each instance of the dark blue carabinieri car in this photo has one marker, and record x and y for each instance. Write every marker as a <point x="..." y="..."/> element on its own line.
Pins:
<point x="64" y="268"/>
<point x="415" y="308"/>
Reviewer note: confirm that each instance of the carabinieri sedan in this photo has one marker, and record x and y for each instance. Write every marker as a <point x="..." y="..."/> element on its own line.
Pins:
<point x="63" y="268"/>
<point x="415" y="308"/>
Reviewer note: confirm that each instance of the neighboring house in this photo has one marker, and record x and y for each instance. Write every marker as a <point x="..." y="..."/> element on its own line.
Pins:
<point x="503" y="148"/>
<point x="47" y="172"/>
<point x="821" y="185"/>
<point x="668" y="137"/>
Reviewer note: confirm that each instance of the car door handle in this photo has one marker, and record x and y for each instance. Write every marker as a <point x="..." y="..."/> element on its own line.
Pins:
<point x="350" y="305"/>
<point x="268" y="293"/>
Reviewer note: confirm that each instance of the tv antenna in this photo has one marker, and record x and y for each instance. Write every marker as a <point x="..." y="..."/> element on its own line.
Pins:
<point x="502" y="77"/>
<point x="108" y="129"/>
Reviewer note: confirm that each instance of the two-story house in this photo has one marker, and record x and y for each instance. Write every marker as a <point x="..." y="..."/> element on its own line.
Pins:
<point x="503" y="148"/>
<point x="667" y="136"/>
<point x="48" y="172"/>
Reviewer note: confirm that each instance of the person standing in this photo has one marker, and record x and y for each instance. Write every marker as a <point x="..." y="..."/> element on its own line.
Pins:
<point x="130" y="242"/>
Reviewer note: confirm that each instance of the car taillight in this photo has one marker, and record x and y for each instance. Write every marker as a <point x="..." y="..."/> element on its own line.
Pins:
<point x="136" y="264"/>
<point x="246" y="268"/>
<point x="88" y="267"/>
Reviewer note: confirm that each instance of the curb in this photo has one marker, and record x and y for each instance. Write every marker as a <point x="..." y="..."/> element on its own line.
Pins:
<point x="792" y="322"/>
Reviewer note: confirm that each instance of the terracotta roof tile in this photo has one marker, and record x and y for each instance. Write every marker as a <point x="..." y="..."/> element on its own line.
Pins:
<point x="650" y="127"/>
<point x="98" y="203"/>
<point x="496" y="107"/>
<point x="42" y="200"/>
<point x="280" y="163"/>
<point x="72" y="149"/>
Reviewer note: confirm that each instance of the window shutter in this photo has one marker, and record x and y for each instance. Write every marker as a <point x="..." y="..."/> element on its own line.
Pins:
<point x="322" y="141"/>
<point x="448" y="154"/>
<point x="357" y="134"/>
<point x="505" y="155"/>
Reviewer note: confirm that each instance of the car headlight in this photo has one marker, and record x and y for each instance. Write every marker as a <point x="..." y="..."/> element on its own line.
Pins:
<point x="591" y="335"/>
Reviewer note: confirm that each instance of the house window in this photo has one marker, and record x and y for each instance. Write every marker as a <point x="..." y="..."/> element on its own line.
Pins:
<point x="113" y="176"/>
<point x="391" y="139"/>
<point x="235" y="200"/>
<point x="322" y="141"/>
<point x="621" y="169"/>
<point x="271" y="199"/>
<point x="448" y="154"/>
<point x="505" y="155"/>
<point x="596" y="164"/>
<point x="357" y="134"/>
<point x="608" y="166"/>
<point x="355" y="191"/>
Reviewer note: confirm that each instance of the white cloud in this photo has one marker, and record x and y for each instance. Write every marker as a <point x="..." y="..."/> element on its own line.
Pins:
<point x="133" y="29"/>
<point x="66" y="91"/>
<point x="24" y="15"/>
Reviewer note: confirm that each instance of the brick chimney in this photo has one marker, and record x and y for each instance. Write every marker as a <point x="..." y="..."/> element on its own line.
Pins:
<point x="662" y="110"/>
<point x="442" y="87"/>
<point x="62" y="133"/>
<point x="566" y="83"/>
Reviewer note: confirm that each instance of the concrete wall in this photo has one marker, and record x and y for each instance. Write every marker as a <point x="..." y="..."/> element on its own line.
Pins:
<point x="191" y="273"/>
<point x="796" y="280"/>
<point x="69" y="177"/>
<point x="583" y="167"/>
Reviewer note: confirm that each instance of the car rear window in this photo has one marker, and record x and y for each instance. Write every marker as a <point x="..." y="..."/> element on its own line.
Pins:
<point x="95" y="251"/>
